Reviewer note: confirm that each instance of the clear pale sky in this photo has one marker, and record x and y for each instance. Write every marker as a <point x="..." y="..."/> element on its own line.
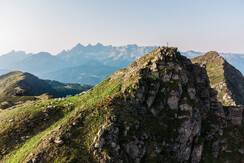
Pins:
<point x="54" y="25"/>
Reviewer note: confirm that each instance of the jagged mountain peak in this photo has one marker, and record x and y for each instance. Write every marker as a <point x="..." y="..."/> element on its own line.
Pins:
<point x="167" y="89"/>
<point x="162" y="65"/>
<point x="163" y="55"/>
<point x="78" y="45"/>
<point x="99" y="44"/>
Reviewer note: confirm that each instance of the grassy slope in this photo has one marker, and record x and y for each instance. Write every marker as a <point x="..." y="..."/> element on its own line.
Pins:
<point x="31" y="87"/>
<point x="9" y="79"/>
<point x="90" y="105"/>
<point x="91" y="111"/>
<point x="79" y="102"/>
<point x="9" y="84"/>
<point x="214" y="65"/>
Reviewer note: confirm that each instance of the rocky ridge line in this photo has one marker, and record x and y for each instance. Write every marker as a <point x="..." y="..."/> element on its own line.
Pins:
<point x="165" y="82"/>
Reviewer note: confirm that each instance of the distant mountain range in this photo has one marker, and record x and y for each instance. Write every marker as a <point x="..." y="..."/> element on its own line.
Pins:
<point x="87" y="64"/>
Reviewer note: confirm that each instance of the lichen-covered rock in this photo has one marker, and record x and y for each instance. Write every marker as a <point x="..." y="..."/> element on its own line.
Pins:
<point x="135" y="149"/>
<point x="215" y="149"/>
<point x="173" y="102"/>
<point x="236" y="115"/>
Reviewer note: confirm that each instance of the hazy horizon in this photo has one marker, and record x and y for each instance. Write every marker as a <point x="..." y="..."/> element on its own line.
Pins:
<point x="52" y="26"/>
<point x="15" y="50"/>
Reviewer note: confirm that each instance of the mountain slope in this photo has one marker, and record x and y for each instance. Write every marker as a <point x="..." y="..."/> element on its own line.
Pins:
<point x="234" y="59"/>
<point x="17" y="87"/>
<point x="226" y="79"/>
<point x="159" y="109"/>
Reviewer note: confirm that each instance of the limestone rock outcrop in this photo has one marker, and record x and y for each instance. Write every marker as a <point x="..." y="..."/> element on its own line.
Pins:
<point x="180" y="100"/>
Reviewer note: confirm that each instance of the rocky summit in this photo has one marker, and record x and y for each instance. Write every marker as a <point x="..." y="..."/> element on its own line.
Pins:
<point x="159" y="109"/>
<point x="173" y="111"/>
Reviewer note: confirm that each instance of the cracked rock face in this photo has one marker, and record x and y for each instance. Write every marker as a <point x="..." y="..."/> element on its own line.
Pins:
<point x="168" y="85"/>
<point x="236" y="115"/>
<point x="136" y="150"/>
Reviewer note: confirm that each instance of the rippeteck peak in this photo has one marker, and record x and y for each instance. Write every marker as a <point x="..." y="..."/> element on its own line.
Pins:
<point x="224" y="78"/>
<point x="160" y="108"/>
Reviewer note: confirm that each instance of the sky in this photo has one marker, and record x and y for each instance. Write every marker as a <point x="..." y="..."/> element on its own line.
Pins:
<point x="54" y="25"/>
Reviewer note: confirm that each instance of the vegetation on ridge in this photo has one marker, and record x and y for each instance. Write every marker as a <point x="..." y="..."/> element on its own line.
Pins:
<point x="224" y="78"/>
<point x="17" y="87"/>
